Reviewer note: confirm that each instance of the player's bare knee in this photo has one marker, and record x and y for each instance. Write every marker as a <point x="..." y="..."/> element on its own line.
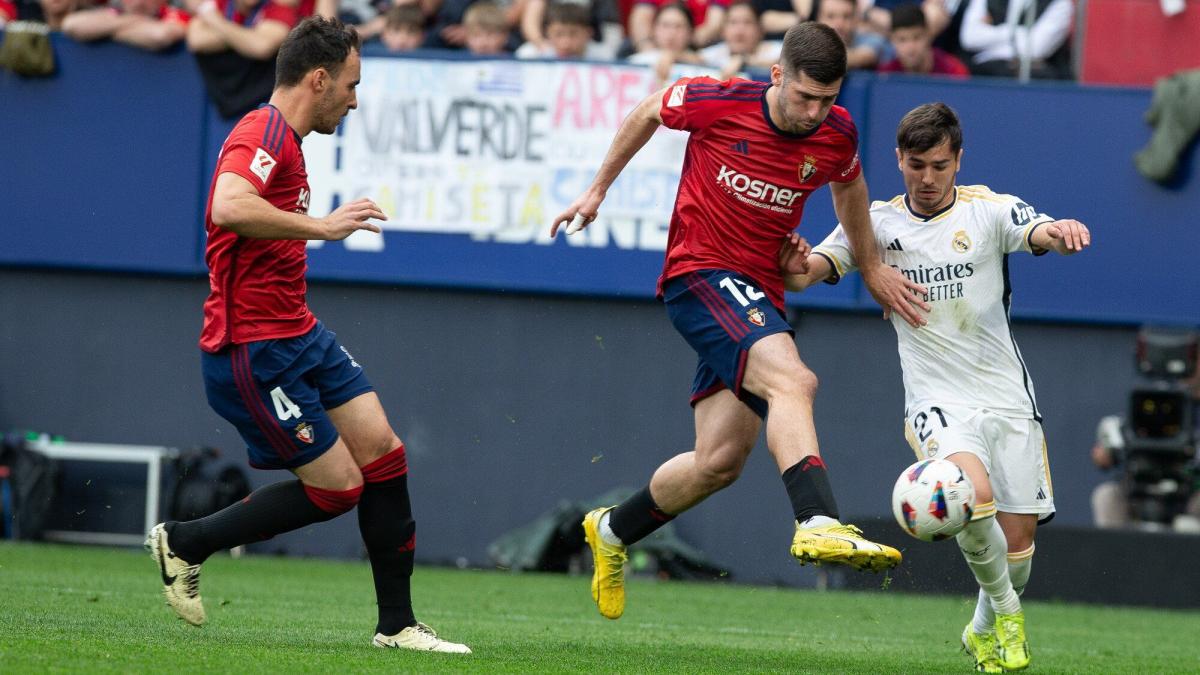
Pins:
<point x="720" y="471"/>
<point x="983" y="493"/>
<point x="1018" y="542"/>
<point x="806" y="382"/>
<point x="374" y="448"/>
<point x="796" y="384"/>
<point x="349" y="479"/>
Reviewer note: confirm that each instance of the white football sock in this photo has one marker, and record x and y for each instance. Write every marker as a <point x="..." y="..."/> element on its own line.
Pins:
<point x="606" y="532"/>
<point x="818" y="521"/>
<point x="1019" y="565"/>
<point x="985" y="549"/>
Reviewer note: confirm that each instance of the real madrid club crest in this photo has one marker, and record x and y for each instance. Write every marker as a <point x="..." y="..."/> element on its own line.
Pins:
<point x="756" y="317"/>
<point x="931" y="448"/>
<point x="808" y="168"/>
<point x="961" y="242"/>
<point x="304" y="432"/>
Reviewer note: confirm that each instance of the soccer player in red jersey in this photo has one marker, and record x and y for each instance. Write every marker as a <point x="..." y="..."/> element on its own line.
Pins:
<point x="756" y="152"/>
<point x="297" y="397"/>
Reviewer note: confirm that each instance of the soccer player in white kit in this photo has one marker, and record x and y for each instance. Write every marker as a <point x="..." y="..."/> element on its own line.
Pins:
<point x="968" y="395"/>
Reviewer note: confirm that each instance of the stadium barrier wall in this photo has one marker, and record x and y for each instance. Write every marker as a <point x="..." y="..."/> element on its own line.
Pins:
<point x="473" y="159"/>
<point x="509" y="404"/>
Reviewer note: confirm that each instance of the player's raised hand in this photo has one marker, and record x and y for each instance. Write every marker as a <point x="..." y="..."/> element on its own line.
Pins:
<point x="793" y="255"/>
<point x="1068" y="236"/>
<point x="579" y="214"/>
<point x="352" y="217"/>
<point x="897" y="293"/>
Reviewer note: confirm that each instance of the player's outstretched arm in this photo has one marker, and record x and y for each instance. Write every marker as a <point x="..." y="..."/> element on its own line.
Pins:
<point x="237" y="207"/>
<point x="818" y="270"/>
<point x="634" y="133"/>
<point x="796" y="263"/>
<point x="1066" y="237"/>
<point x="891" y="289"/>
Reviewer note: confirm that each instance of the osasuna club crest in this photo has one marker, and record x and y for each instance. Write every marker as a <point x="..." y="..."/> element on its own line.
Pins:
<point x="304" y="432"/>
<point x="808" y="168"/>
<point x="756" y="317"/>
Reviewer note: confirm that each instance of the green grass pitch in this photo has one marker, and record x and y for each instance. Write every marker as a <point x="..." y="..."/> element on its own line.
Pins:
<point x="88" y="609"/>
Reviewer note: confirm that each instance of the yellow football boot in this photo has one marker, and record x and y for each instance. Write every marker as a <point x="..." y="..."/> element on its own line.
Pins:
<point x="1012" y="649"/>
<point x="982" y="648"/>
<point x="842" y="544"/>
<point x="608" y="560"/>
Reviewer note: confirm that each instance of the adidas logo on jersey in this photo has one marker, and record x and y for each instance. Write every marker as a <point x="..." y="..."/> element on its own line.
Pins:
<point x="742" y="146"/>
<point x="1041" y="494"/>
<point x="895" y="246"/>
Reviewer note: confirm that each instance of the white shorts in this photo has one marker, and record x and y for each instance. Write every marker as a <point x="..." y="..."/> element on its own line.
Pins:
<point x="1012" y="449"/>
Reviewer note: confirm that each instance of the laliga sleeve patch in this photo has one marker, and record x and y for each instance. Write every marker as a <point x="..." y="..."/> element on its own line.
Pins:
<point x="677" y="93"/>
<point x="262" y="164"/>
<point x="853" y="163"/>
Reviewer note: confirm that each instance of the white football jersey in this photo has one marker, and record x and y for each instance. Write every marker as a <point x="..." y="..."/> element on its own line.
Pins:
<point x="967" y="354"/>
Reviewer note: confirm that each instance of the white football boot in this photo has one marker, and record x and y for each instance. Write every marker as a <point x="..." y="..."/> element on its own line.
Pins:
<point x="419" y="638"/>
<point x="181" y="581"/>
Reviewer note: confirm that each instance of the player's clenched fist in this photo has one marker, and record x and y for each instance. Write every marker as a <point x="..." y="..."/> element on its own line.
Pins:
<point x="579" y="214"/>
<point x="351" y="217"/>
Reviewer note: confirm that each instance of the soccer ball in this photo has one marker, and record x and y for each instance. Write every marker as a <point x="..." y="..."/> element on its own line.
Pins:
<point x="933" y="500"/>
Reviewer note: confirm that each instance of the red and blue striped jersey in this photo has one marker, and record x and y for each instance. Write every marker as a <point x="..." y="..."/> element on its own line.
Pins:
<point x="744" y="181"/>
<point x="256" y="286"/>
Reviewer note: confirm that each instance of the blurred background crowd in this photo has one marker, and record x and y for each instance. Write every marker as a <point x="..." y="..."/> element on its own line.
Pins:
<point x="952" y="38"/>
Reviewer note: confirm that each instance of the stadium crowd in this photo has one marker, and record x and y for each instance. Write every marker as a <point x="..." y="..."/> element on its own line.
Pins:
<point x="953" y="38"/>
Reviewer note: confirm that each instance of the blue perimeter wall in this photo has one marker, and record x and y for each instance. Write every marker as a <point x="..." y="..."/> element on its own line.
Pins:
<point x="106" y="166"/>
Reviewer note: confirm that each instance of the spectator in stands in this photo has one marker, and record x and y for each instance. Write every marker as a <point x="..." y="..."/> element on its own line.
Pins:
<point x="777" y="16"/>
<point x="877" y="17"/>
<point x="8" y="12"/>
<point x="705" y="16"/>
<point x="370" y="16"/>
<point x="568" y="36"/>
<point x="253" y="29"/>
<point x="670" y="43"/>
<point x="487" y="31"/>
<point x="403" y="28"/>
<point x="449" y="29"/>
<point x="149" y="24"/>
<point x="235" y="43"/>
<point x="743" y="46"/>
<point x="864" y="50"/>
<point x="52" y="12"/>
<point x="998" y="34"/>
<point x="913" y="43"/>
<point x="605" y="28"/>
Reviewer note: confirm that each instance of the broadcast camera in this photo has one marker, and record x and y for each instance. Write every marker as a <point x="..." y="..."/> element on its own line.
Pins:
<point x="1156" y="443"/>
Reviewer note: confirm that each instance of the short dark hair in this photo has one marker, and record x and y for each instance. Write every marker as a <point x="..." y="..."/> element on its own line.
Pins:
<point x="813" y="49"/>
<point x="404" y="16"/>
<point x="569" y="13"/>
<point x="316" y="42"/>
<point x="927" y="126"/>
<point x="908" y="15"/>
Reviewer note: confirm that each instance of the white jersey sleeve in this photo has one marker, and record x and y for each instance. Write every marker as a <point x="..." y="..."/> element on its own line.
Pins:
<point x="836" y="247"/>
<point x="1014" y="221"/>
